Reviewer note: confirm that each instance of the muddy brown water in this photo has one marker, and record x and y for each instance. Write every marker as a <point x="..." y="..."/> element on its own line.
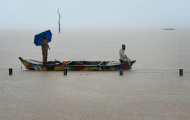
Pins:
<point x="97" y="95"/>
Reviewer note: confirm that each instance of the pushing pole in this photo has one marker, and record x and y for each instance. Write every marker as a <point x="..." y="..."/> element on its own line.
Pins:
<point x="181" y="72"/>
<point x="65" y="71"/>
<point x="10" y="71"/>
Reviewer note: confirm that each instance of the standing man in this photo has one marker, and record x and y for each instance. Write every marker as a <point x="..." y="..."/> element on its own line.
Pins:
<point x="45" y="48"/>
<point x="123" y="57"/>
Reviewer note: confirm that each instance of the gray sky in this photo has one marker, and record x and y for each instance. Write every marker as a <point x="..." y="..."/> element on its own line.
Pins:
<point x="15" y="14"/>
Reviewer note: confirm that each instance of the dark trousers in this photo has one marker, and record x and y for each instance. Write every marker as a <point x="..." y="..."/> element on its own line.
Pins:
<point x="45" y="55"/>
<point x="125" y="62"/>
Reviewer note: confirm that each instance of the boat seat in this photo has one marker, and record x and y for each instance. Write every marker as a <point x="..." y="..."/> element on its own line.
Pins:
<point x="68" y="62"/>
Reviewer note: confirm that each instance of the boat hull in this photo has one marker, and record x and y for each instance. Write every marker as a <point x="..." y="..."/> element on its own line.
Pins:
<point x="75" y="65"/>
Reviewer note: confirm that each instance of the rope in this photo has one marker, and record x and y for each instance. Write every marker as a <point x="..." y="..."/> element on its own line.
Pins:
<point x="144" y="71"/>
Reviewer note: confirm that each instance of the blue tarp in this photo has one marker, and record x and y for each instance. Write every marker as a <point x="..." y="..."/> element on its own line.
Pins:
<point x="38" y="38"/>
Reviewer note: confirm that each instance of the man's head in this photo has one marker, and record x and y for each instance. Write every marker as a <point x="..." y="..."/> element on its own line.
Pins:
<point x="123" y="46"/>
<point x="44" y="36"/>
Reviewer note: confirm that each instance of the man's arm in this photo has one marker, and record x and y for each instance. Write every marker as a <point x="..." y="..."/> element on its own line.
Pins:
<point x="48" y="46"/>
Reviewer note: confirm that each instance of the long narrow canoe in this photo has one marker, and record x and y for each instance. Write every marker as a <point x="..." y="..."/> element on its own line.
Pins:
<point x="76" y="65"/>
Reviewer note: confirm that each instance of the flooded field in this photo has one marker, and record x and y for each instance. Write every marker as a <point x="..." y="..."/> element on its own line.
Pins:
<point x="152" y="90"/>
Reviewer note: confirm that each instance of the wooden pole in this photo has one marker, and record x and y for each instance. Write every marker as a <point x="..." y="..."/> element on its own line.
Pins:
<point x="10" y="71"/>
<point x="121" y="72"/>
<point x="181" y="72"/>
<point x="65" y="71"/>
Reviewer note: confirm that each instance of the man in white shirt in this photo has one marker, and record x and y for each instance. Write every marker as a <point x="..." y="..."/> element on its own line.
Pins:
<point x="123" y="57"/>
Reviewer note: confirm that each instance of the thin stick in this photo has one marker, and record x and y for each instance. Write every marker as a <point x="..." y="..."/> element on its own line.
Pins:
<point x="59" y="20"/>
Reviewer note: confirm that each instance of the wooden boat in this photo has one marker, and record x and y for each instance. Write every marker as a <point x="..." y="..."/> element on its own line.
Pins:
<point x="76" y="65"/>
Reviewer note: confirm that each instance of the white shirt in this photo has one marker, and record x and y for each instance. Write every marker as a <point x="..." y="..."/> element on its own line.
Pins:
<point x="122" y="54"/>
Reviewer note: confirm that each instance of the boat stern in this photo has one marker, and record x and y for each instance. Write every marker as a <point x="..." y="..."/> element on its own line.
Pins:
<point x="131" y="64"/>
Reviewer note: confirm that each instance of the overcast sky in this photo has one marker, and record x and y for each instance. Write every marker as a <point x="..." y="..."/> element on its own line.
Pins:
<point x="93" y="13"/>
